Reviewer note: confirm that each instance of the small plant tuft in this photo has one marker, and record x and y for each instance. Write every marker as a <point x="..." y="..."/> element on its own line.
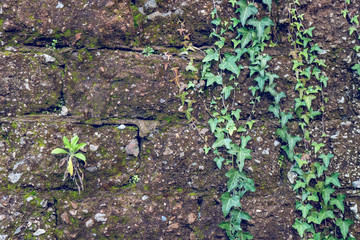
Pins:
<point x="73" y="154"/>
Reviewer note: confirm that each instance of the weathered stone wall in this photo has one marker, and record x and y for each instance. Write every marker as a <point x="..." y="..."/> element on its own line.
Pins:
<point x="126" y="107"/>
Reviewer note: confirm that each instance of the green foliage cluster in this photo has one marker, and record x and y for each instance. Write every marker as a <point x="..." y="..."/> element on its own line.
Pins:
<point x="73" y="166"/>
<point x="354" y="28"/>
<point x="148" y="51"/>
<point x="321" y="211"/>
<point x="221" y="70"/>
<point x="53" y="44"/>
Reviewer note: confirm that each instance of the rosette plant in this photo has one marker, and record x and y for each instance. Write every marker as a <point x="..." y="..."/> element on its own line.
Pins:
<point x="72" y="160"/>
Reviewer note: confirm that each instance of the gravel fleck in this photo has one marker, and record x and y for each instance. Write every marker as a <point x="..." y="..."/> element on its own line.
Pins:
<point x="100" y="217"/>
<point x="39" y="232"/>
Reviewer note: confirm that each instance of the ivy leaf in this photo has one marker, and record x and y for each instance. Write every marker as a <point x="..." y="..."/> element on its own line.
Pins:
<point x="271" y="77"/>
<point x="279" y="96"/>
<point x="213" y="123"/>
<point x="226" y="226"/>
<point x="230" y="126"/>
<point x="244" y="141"/>
<point x="228" y="202"/>
<point x="229" y="63"/>
<point x="234" y="176"/>
<point x="304" y="209"/>
<point x="320" y="169"/>
<point x="317" y="146"/>
<point x="282" y="133"/>
<point x="299" y="184"/>
<point x="275" y="109"/>
<point x="298" y="103"/>
<point x="296" y="64"/>
<point x="326" y="158"/>
<point x="261" y="82"/>
<point x="308" y="177"/>
<point x="316" y="72"/>
<point x="357" y="68"/>
<point x="227" y="91"/>
<point x="268" y="2"/>
<point x="292" y="140"/>
<point x="219" y="161"/>
<point x="313" y="197"/>
<point x="333" y="179"/>
<point x="308" y="99"/>
<point x="211" y="79"/>
<point x="326" y="194"/>
<point x="344" y="226"/>
<point x="248" y="185"/>
<point x="233" y="2"/>
<point x="237" y="216"/>
<point x="246" y="12"/>
<point x="240" y="52"/>
<point x="338" y="202"/>
<point x="222" y="142"/>
<point x="309" y="31"/>
<point x="241" y="156"/>
<point x="260" y="25"/>
<point x="301" y="227"/>
<point x="285" y="118"/>
<point x="306" y="72"/>
<point x="236" y="114"/>
<point x="323" y="80"/>
<point x="247" y="36"/>
<point x="211" y="55"/>
<point x="324" y="214"/>
<point x="243" y="235"/>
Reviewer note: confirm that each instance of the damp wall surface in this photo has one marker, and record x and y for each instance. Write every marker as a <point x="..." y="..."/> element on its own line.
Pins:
<point x="95" y="82"/>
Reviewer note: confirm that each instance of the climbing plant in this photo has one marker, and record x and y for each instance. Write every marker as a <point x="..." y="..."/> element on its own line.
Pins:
<point x="321" y="210"/>
<point x="221" y="70"/>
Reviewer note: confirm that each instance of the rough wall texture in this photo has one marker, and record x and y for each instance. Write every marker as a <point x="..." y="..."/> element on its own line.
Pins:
<point x="126" y="106"/>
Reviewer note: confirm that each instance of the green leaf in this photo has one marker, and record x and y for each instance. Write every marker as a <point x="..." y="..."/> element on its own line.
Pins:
<point x="216" y="21"/>
<point x="344" y="226"/>
<point x="244" y="141"/>
<point x="250" y="123"/>
<point x="241" y="156"/>
<point x="222" y="142"/>
<point x="247" y="36"/>
<point x="211" y="79"/>
<point x="261" y="82"/>
<point x="301" y="227"/>
<point x="308" y="177"/>
<point x="81" y="156"/>
<point x="333" y="179"/>
<point x="304" y="208"/>
<point x="309" y="31"/>
<point x="243" y="235"/>
<point x="230" y="127"/>
<point x="59" y="151"/>
<point x="299" y="184"/>
<point x="246" y="12"/>
<point x="326" y="194"/>
<point x="275" y="109"/>
<point x="292" y="140"/>
<point x="225" y="225"/>
<point x="236" y="114"/>
<point x="79" y="146"/>
<point x="213" y="123"/>
<point x="271" y="77"/>
<point x="357" y="68"/>
<point x="279" y="96"/>
<point x="233" y="2"/>
<point x="234" y="176"/>
<point x="228" y="202"/>
<point x="320" y="169"/>
<point x="308" y="99"/>
<point x="285" y="118"/>
<point x="211" y="55"/>
<point x="296" y="64"/>
<point x="74" y="141"/>
<point x="306" y="72"/>
<point x="338" y="202"/>
<point x="323" y="80"/>
<point x="268" y="2"/>
<point x="219" y="161"/>
<point x="324" y="214"/>
<point x="326" y="158"/>
<point x="237" y="216"/>
<point x="227" y="91"/>
<point x="282" y="133"/>
<point x="66" y="143"/>
<point x="298" y="103"/>
<point x="317" y="146"/>
<point x="260" y="25"/>
<point x="229" y="63"/>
